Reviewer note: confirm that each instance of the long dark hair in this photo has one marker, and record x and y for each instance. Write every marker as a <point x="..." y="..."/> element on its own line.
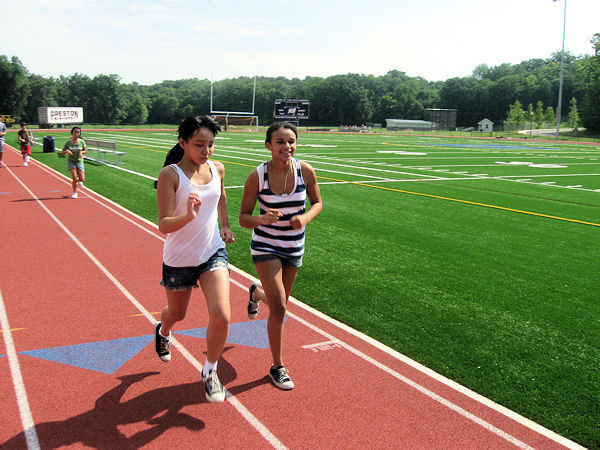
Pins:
<point x="187" y="128"/>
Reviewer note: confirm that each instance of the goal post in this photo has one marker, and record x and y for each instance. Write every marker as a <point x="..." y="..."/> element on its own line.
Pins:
<point x="236" y="121"/>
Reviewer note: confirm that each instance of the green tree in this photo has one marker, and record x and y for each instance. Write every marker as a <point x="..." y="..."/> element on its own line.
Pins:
<point x="549" y="116"/>
<point x="530" y="115"/>
<point x="43" y="93"/>
<point x="589" y="69"/>
<point x="538" y="115"/>
<point x="516" y="115"/>
<point x="14" y="88"/>
<point x="573" y="118"/>
<point x="105" y="100"/>
<point x="134" y="105"/>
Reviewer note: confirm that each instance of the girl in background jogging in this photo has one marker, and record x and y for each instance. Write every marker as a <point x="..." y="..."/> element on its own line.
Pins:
<point x="281" y="187"/>
<point x="75" y="148"/>
<point x="25" y="138"/>
<point x="191" y="201"/>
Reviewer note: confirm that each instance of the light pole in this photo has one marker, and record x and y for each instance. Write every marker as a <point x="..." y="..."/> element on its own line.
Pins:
<point x="562" y="70"/>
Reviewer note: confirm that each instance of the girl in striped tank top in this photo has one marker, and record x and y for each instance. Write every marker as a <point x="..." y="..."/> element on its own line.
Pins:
<point x="281" y="187"/>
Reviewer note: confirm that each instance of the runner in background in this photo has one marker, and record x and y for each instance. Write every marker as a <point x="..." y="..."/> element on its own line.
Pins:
<point x="25" y="138"/>
<point x="3" y="131"/>
<point x="75" y="148"/>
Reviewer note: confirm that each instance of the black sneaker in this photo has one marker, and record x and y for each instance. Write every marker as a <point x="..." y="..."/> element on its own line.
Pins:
<point x="281" y="378"/>
<point x="162" y="345"/>
<point x="214" y="390"/>
<point x="252" y="304"/>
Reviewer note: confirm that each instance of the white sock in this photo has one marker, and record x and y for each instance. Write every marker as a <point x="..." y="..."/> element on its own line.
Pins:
<point x="208" y="366"/>
<point x="166" y="337"/>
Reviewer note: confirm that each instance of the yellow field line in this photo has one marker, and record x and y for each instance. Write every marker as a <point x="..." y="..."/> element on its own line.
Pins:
<point x="465" y="201"/>
<point x="444" y="198"/>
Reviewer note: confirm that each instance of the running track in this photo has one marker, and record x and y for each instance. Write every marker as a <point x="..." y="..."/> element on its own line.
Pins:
<point x="79" y="294"/>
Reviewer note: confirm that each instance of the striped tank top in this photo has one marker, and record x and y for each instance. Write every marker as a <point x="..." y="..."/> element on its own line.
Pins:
<point x="280" y="238"/>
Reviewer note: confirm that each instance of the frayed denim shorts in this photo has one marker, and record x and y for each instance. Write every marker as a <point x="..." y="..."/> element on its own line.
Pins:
<point x="183" y="278"/>
<point x="78" y="166"/>
<point x="286" y="261"/>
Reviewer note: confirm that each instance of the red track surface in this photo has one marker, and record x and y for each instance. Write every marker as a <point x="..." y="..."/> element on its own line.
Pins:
<point x="86" y="271"/>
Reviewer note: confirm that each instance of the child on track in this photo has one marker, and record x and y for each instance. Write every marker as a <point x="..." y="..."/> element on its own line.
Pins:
<point x="25" y="138"/>
<point x="191" y="201"/>
<point x="3" y="131"/>
<point x="75" y="148"/>
<point x="281" y="187"/>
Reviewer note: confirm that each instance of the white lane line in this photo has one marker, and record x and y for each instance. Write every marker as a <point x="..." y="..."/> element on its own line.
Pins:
<point x="242" y="410"/>
<point x="15" y="370"/>
<point x="425" y="370"/>
<point x="452" y="384"/>
<point x="448" y="404"/>
<point x="436" y="376"/>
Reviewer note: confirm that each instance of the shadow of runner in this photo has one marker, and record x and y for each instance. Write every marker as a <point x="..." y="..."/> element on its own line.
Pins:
<point x="98" y="428"/>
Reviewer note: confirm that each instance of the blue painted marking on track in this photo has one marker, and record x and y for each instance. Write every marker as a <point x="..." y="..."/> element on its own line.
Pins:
<point x="104" y="356"/>
<point x="492" y="146"/>
<point x="109" y="356"/>
<point x="250" y="334"/>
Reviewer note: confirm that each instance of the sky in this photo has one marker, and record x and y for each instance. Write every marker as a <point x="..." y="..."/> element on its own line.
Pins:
<point x="150" y="41"/>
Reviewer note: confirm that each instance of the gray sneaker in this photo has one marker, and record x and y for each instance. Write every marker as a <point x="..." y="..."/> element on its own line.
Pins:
<point x="214" y="390"/>
<point x="162" y="345"/>
<point x="281" y="378"/>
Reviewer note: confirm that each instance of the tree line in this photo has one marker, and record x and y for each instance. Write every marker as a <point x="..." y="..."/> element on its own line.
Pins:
<point x="347" y="99"/>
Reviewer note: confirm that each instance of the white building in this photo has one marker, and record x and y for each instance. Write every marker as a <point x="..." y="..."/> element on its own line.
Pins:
<point x="485" y="125"/>
<point x="402" y="124"/>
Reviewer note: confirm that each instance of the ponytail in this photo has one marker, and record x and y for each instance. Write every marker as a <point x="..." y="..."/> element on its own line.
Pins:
<point x="173" y="157"/>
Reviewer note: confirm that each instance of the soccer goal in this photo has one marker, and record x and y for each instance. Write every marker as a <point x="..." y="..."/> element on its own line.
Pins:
<point x="231" y="120"/>
<point x="236" y="121"/>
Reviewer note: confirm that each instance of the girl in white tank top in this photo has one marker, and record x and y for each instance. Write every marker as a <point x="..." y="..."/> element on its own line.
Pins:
<point x="191" y="202"/>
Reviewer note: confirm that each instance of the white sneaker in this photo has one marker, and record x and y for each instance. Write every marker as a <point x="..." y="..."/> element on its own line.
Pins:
<point x="74" y="195"/>
<point x="214" y="390"/>
<point x="24" y="164"/>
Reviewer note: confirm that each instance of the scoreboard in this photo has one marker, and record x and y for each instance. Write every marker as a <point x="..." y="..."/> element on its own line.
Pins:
<point x="291" y="108"/>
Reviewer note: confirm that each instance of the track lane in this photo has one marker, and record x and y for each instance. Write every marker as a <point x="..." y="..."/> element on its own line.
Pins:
<point x="355" y="404"/>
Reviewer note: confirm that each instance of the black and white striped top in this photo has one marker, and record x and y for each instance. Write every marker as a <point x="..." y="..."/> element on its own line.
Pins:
<point x="280" y="238"/>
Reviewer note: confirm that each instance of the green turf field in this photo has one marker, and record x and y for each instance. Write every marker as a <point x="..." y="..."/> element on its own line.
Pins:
<point x="479" y="258"/>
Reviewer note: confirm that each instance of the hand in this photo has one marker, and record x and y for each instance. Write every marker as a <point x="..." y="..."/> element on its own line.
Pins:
<point x="227" y="235"/>
<point x="271" y="216"/>
<point x="193" y="204"/>
<point x="297" y="222"/>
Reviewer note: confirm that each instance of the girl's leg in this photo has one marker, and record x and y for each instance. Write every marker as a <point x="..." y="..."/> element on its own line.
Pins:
<point x="277" y="283"/>
<point x="80" y="176"/>
<point x="177" y="303"/>
<point x="73" y="172"/>
<point x="215" y="286"/>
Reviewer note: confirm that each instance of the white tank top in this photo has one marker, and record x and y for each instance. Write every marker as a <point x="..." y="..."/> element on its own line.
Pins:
<point x="198" y="240"/>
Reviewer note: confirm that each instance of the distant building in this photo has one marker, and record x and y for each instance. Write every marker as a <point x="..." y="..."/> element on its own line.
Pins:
<point x="485" y="125"/>
<point x="402" y="124"/>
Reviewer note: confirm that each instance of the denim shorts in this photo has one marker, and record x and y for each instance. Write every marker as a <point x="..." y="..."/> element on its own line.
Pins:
<point x="78" y="166"/>
<point x="286" y="261"/>
<point x="182" y="278"/>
